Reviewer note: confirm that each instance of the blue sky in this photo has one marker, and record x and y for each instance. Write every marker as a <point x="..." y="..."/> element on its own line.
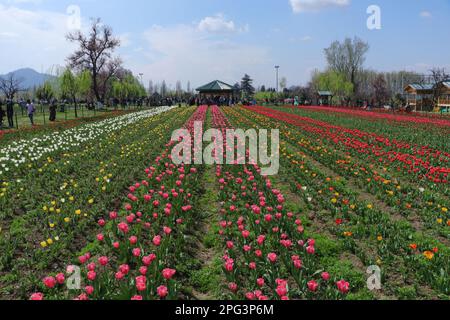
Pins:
<point x="203" y="40"/>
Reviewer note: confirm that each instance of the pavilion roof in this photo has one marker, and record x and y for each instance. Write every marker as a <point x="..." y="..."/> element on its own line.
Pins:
<point x="215" y="86"/>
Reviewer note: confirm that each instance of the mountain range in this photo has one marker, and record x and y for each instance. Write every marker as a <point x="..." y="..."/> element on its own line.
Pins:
<point x="30" y="78"/>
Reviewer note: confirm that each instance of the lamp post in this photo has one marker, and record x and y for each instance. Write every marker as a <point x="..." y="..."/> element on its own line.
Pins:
<point x="277" y="68"/>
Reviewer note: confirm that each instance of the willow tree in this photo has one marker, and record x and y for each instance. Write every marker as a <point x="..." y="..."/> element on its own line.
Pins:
<point x="75" y="87"/>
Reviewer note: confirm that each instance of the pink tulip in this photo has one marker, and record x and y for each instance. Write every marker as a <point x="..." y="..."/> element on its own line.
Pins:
<point x="162" y="291"/>
<point x="168" y="273"/>
<point x="313" y="285"/>
<point x="343" y="286"/>
<point x="37" y="296"/>
<point x="49" y="282"/>
<point x="103" y="261"/>
<point x="60" y="278"/>
<point x="272" y="257"/>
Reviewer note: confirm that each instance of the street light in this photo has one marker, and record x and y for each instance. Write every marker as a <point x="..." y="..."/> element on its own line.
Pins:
<point x="277" y="69"/>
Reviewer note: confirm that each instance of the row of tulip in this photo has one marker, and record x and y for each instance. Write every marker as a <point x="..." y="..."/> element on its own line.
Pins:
<point x="24" y="152"/>
<point x="406" y="197"/>
<point x="51" y="217"/>
<point x="421" y="161"/>
<point x="266" y="253"/>
<point x="357" y="222"/>
<point x="407" y="131"/>
<point x="137" y="247"/>
<point x="396" y="118"/>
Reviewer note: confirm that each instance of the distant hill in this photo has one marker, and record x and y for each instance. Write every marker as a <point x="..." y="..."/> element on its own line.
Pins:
<point x="30" y="77"/>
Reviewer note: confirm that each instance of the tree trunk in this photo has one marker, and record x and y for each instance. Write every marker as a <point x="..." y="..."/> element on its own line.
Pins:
<point x="76" y="107"/>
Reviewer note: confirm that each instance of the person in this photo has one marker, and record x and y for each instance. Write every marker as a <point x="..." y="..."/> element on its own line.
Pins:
<point x="31" y="110"/>
<point x="53" y="106"/>
<point x="1" y="114"/>
<point x="10" y="113"/>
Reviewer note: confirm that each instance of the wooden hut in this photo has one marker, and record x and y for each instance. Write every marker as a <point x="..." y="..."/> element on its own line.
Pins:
<point x="444" y="95"/>
<point x="419" y="97"/>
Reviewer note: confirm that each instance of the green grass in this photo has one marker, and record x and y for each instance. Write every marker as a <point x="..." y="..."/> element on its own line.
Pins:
<point x="41" y="117"/>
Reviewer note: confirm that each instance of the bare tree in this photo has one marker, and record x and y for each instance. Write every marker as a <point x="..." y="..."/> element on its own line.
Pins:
<point x="381" y="92"/>
<point x="95" y="53"/>
<point x="438" y="75"/>
<point x="347" y="58"/>
<point x="10" y="86"/>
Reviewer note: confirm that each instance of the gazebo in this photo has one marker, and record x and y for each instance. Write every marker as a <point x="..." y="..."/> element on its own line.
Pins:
<point x="325" y="98"/>
<point x="217" y="92"/>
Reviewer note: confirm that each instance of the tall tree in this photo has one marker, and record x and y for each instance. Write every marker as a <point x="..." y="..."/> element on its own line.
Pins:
<point x="151" y="89"/>
<point x="74" y="87"/>
<point x="95" y="53"/>
<point x="10" y="85"/>
<point x="381" y="92"/>
<point x="178" y="89"/>
<point x="188" y="87"/>
<point x="247" y="88"/>
<point x="347" y="58"/>
<point x="283" y="83"/>
<point x="163" y="89"/>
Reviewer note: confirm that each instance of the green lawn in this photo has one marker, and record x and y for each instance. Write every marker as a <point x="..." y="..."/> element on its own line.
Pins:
<point x="41" y="117"/>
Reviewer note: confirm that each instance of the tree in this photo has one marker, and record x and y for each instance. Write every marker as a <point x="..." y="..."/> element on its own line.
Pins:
<point x="45" y="92"/>
<point x="283" y="83"/>
<point x="10" y="86"/>
<point x="95" y="53"/>
<point x="336" y="83"/>
<point x="263" y="88"/>
<point x="438" y="75"/>
<point x="381" y="92"/>
<point x="128" y="88"/>
<point x="73" y="87"/>
<point x="178" y="89"/>
<point x="247" y="88"/>
<point x="347" y="58"/>
<point x="188" y="87"/>
<point x="163" y="89"/>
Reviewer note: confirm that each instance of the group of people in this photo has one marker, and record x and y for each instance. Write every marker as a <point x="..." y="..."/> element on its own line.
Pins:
<point x="212" y="100"/>
<point x="9" y="113"/>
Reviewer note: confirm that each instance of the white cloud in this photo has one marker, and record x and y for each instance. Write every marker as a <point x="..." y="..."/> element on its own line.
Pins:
<point x="184" y="52"/>
<point x="426" y="14"/>
<point x="219" y="24"/>
<point x="33" y="39"/>
<point x="299" y="6"/>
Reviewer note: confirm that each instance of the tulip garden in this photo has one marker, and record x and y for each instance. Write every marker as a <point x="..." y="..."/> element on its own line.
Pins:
<point x="99" y="211"/>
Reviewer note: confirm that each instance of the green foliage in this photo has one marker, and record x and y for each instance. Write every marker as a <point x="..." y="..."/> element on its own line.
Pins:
<point x="128" y="88"/>
<point x="248" y="91"/>
<point x="75" y="86"/>
<point x="407" y="293"/>
<point x="45" y="92"/>
<point x="334" y="82"/>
